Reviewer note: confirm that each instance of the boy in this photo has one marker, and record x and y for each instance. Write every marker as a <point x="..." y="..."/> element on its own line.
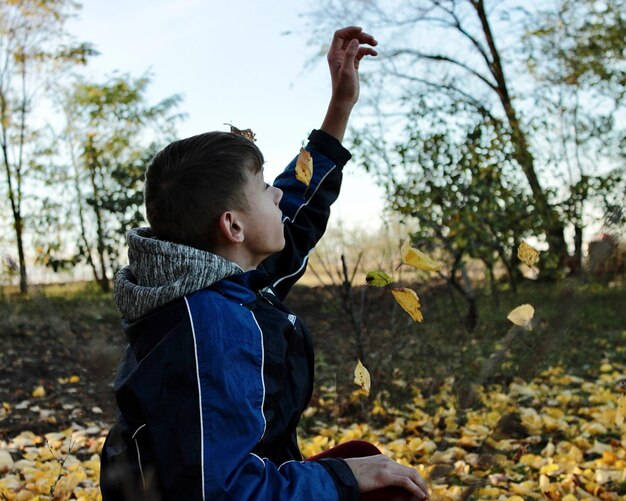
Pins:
<point x="218" y="371"/>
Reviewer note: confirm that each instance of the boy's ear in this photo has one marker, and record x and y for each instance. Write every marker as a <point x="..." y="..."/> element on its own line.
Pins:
<point x="230" y="227"/>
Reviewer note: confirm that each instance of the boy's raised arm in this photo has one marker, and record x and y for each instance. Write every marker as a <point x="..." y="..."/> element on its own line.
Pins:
<point x="344" y="57"/>
<point x="306" y="208"/>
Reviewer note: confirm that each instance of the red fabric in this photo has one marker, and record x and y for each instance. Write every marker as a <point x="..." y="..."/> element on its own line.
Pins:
<point x="358" y="449"/>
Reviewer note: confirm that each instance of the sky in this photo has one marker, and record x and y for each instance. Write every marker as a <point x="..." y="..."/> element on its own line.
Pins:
<point x="232" y="63"/>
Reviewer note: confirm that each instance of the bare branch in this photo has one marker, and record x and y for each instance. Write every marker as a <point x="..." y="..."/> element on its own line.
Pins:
<point x="447" y="59"/>
<point x="469" y="99"/>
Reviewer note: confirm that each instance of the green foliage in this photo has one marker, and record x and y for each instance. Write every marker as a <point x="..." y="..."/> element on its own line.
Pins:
<point x="112" y="133"/>
<point x="547" y="80"/>
<point x="460" y="184"/>
<point x="35" y="51"/>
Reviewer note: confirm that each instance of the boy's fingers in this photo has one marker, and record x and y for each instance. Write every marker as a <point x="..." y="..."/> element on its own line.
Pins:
<point x="417" y="479"/>
<point x="343" y="37"/>
<point x="408" y="485"/>
<point x="351" y="53"/>
<point x="365" y="51"/>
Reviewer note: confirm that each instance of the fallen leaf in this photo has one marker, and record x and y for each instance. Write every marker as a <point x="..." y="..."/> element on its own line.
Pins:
<point x="439" y="471"/>
<point x="417" y="258"/>
<point x="362" y="377"/>
<point x="407" y="298"/>
<point x="522" y="316"/>
<point x="304" y="167"/>
<point x="527" y="254"/>
<point x="621" y="411"/>
<point x="39" y="392"/>
<point x="510" y="426"/>
<point x="378" y="279"/>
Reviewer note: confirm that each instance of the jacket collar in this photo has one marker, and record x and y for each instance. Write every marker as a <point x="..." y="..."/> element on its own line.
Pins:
<point x="243" y="288"/>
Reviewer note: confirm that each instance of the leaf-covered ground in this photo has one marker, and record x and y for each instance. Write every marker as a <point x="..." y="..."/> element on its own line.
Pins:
<point x="530" y="418"/>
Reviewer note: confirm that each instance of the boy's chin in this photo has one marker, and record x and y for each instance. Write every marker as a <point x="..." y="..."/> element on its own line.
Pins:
<point x="282" y="246"/>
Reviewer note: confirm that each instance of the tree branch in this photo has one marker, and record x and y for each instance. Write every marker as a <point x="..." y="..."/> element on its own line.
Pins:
<point x="447" y="59"/>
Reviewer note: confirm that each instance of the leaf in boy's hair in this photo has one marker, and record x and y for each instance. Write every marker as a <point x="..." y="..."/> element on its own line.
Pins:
<point x="247" y="133"/>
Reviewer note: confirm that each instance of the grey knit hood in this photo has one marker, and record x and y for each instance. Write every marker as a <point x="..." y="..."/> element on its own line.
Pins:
<point x="160" y="272"/>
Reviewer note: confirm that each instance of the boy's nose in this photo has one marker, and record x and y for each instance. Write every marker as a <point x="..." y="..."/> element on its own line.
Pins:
<point x="278" y="195"/>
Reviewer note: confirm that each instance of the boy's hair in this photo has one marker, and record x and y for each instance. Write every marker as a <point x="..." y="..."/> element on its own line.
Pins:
<point x="191" y="182"/>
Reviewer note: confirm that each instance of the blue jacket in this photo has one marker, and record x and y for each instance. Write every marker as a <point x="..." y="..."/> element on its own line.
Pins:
<point x="213" y="383"/>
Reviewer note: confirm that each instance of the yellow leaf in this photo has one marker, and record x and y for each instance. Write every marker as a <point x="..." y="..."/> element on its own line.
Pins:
<point x="74" y="379"/>
<point x="417" y="259"/>
<point x="39" y="392"/>
<point x="362" y="377"/>
<point x="621" y="411"/>
<point x="304" y="167"/>
<point x="527" y="254"/>
<point x="522" y="316"/>
<point x="378" y="279"/>
<point x="409" y="301"/>
<point x="548" y="469"/>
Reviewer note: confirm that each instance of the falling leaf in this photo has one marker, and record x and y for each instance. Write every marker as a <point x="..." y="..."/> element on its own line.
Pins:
<point x="304" y="167"/>
<point x="378" y="279"/>
<point x="362" y="377"/>
<point x="39" y="392"/>
<point x="527" y="254"/>
<point x="409" y="301"/>
<point x="417" y="258"/>
<point x="621" y="411"/>
<point x="522" y="316"/>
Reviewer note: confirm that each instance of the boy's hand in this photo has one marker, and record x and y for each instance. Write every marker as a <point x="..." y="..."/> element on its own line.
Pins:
<point x="376" y="472"/>
<point x="344" y="56"/>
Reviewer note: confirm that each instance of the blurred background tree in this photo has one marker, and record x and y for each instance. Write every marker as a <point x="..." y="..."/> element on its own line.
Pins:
<point x="111" y="134"/>
<point x="35" y="50"/>
<point x="503" y="110"/>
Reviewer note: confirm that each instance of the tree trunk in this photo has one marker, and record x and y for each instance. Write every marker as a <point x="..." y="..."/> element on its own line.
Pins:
<point x="493" y="285"/>
<point x="348" y="305"/>
<point x="555" y="230"/>
<point x="576" y="262"/>
<point x="17" y="221"/>
<point x="20" y="253"/>
<point x="471" y="318"/>
<point x="100" y="246"/>
<point x="81" y="218"/>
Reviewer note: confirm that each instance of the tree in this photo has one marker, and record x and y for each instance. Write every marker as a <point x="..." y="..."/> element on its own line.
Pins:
<point x="33" y="48"/>
<point x="458" y="58"/>
<point x="461" y="185"/>
<point x="575" y="52"/>
<point x="112" y="133"/>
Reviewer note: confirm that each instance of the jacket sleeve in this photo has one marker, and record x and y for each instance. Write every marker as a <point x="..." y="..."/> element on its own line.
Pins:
<point x="230" y="364"/>
<point x="306" y="209"/>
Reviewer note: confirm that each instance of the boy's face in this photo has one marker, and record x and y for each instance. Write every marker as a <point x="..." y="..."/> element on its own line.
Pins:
<point x="263" y="226"/>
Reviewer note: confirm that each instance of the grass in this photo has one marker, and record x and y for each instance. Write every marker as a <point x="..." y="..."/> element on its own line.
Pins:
<point x="577" y="326"/>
